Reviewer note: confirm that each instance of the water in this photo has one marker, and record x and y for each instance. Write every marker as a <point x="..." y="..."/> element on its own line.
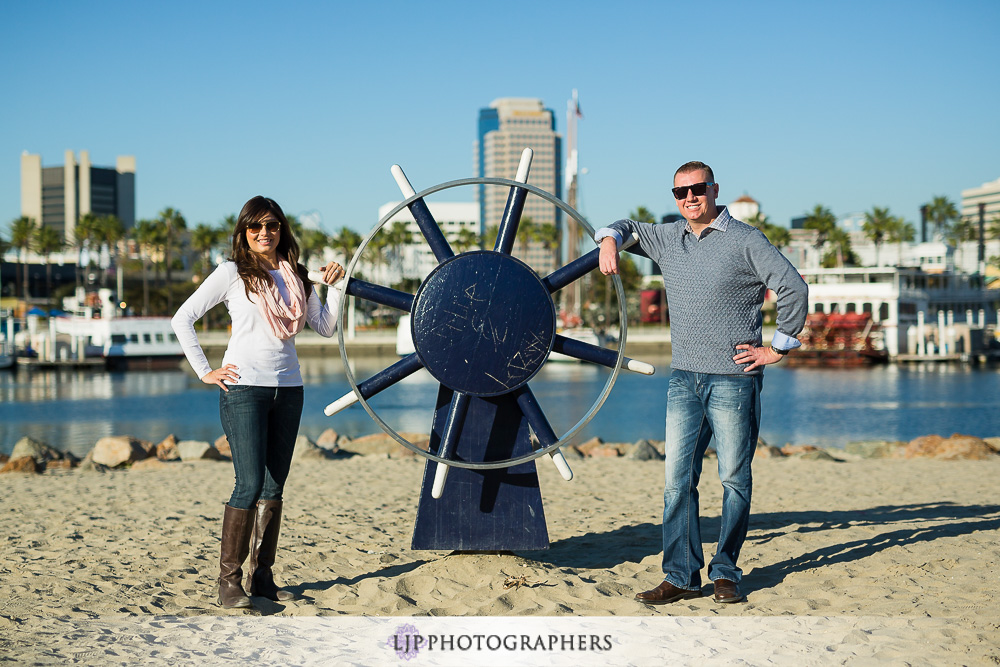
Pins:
<point x="73" y="409"/>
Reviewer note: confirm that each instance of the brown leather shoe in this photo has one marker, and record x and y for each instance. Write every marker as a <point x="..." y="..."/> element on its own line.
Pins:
<point x="666" y="593"/>
<point x="727" y="591"/>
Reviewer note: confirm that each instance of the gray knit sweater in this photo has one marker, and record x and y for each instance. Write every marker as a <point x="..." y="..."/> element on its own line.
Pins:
<point x="715" y="289"/>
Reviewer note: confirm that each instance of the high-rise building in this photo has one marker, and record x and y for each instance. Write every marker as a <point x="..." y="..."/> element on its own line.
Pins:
<point x="506" y="128"/>
<point x="57" y="196"/>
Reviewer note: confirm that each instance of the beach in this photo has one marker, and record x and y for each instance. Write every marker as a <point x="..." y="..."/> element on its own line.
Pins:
<point x="896" y="561"/>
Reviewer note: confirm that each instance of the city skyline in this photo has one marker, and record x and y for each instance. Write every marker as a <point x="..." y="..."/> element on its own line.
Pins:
<point x="849" y="106"/>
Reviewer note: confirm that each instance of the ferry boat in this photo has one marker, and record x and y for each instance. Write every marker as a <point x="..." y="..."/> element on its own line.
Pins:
<point x="124" y="342"/>
<point x="840" y="339"/>
<point x="922" y="313"/>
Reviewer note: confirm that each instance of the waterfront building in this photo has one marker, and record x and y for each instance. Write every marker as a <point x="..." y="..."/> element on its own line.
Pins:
<point x="744" y="208"/>
<point x="416" y="259"/>
<point x="58" y="196"/>
<point x="505" y="129"/>
<point x="986" y="196"/>
<point x="920" y="310"/>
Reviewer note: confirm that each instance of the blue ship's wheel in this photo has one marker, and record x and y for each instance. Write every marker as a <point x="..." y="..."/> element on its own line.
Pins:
<point x="483" y="324"/>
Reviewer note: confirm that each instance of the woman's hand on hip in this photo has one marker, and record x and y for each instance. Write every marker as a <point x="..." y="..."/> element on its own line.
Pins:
<point x="222" y="375"/>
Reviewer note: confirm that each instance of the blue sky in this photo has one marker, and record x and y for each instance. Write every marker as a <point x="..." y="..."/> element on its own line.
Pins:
<point x="846" y="104"/>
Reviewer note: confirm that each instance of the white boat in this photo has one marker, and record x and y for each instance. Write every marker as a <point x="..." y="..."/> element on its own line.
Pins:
<point x="123" y="342"/>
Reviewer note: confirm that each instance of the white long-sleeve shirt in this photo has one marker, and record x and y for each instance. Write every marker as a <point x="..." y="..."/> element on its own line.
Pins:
<point x="260" y="357"/>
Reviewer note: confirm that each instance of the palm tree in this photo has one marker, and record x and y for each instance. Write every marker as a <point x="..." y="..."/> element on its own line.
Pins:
<point x="346" y="242"/>
<point x="643" y="214"/>
<point x="312" y="242"/>
<point x="147" y="235"/>
<point x="172" y="224"/>
<point x="778" y="236"/>
<point x="823" y="221"/>
<point x="204" y="239"/>
<point x="47" y="241"/>
<point x="942" y="213"/>
<point x="546" y="234"/>
<point x="993" y="227"/>
<point x="110" y="232"/>
<point x="84" y="235"/>
<point x="398" y="237"/>
<point x="465" y="240"/>
<point x="878" y="223"/>
<point x="901" y="232"/>
<point x="22" y="233"/>
<point x="840" y="253"/>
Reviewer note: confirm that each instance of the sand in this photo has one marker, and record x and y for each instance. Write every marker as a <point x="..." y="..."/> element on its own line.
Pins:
<point x="872" y="561"/>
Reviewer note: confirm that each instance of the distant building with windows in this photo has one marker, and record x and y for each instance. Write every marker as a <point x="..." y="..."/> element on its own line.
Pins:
<point x="416" y="259"/>
<point x="987" y="196"/>
<point x="58" y="196"/>
<point x="505" y="129"/>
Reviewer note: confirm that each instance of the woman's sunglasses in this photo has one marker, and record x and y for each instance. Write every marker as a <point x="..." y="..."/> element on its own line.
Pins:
<point x="270" y="225"/>
<point x="698" y="189"/>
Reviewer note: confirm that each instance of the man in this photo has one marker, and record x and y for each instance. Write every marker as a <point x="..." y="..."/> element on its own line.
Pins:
<point x="716" y="270"/>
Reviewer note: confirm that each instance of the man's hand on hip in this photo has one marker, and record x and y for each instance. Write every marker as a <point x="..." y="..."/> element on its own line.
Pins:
<point x="756" y="356"/>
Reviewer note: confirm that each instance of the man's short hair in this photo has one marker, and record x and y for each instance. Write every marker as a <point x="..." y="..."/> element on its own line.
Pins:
<point x="694" y="166"/>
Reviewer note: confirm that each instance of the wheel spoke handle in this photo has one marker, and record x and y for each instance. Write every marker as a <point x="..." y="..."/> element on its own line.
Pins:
<point x="428" y="225"/>
<point x="379" y="294"/>
<point x="515" y="205"/>
<point x="452" y="429"/>
<point x="543" y="431"/>
<point x="598" y="355"/>
<point x="382" y="380"/>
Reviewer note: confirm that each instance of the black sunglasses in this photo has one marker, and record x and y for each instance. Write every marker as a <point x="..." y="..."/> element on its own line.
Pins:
<point x="698" y="189"/>
<point x="270" y="225"/>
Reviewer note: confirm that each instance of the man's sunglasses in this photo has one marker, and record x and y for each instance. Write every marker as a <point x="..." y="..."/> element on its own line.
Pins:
<point x="270" y="225"/>
<point x="698" y="189"/>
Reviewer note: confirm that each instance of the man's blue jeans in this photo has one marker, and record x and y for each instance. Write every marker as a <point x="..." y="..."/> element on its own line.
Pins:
<point x="261" y="424"/>
<point x="701" y="406"/>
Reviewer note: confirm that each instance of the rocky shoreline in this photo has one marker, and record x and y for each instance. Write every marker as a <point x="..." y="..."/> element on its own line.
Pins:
<point x="128" y="452"/>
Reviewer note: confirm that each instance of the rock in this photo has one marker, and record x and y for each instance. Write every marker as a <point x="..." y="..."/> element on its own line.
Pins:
<point x="956" y="447"/>
<point x="874" y="449"/>
<point x="818" y="454"/>
<point x="307" y="449"/>
<point x="589" y="445"/>
<point x="152" y="463"/>
<point x="994" y="443"/>
<point x="4" y="458"/>
<point x="792" y="450"/>
<point x="42" y="453"/>
<point x="88" y="465"/>
<point x="328" y="439"/>
<point x="606" y="450"/>
<point x="765" y="451"/>
<point x="198" y="450"/>
<point x="383" y="444"/>
<point x="115" y="450"/>
<point x="167" y="450"/>
<point x="21" y="464"/>
<point x="643" y="450"/>
<point x="61" y="464"/>
<point x="711" y="453"/>
<point x="222" y="445"/>
<point x="761" y="442"/>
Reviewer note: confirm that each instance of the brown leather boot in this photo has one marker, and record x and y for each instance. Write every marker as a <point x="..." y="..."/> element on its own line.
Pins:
<point x="263" y="545"/>
<point x="236" y="527"/>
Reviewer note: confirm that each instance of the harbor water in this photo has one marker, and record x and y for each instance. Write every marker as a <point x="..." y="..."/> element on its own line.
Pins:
<point x="72" y="409"/>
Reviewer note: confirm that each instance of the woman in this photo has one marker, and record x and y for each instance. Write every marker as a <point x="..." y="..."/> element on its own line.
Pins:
<point x="269" y="297"/>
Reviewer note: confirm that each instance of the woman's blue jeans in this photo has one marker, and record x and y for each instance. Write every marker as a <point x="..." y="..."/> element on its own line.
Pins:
<point x="261" y="424"/>
<point x="701" y="407"/>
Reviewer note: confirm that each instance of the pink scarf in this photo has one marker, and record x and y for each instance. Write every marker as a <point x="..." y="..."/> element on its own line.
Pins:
<point x="285" y="319"/>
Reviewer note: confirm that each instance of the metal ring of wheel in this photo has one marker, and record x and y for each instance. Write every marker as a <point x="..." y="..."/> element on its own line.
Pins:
<point x="595" y="407"/>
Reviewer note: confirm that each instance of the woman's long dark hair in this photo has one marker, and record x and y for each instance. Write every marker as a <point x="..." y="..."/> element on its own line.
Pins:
<point x="255" y="276"/>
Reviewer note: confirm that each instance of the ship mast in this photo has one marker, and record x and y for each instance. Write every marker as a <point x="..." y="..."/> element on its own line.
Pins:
<point x="572" y="298"/>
